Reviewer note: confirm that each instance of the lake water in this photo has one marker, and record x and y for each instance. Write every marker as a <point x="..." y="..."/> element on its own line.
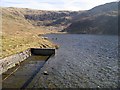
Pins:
<point x="82" y="61"/>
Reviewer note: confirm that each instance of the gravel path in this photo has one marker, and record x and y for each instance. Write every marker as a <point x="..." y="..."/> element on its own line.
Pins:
<point x="82" y="61"/>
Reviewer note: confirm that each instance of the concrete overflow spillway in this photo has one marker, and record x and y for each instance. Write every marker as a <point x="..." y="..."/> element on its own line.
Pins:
<point x="21" y="75"/>
<point x="42" y="52"/>
<point x="82" y="61"/>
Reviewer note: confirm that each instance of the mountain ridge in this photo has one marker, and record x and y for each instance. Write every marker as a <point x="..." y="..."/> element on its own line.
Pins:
<point x="70" y="21"/>
<point x="102" y="19"/>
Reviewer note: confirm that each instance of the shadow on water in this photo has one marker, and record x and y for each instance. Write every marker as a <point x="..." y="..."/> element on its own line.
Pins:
<point x="22" y="75"/>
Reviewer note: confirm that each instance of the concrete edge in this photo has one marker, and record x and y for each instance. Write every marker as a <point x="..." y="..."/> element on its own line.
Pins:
<point x="43" y="52"/>
<point x="13" y="60"/>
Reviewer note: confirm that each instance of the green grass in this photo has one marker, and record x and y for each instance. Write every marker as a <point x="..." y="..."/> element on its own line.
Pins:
<point x="13" y="45"/>
<point x="18" y="35"/>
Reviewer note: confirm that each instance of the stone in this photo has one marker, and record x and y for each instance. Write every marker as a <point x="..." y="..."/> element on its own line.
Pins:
<point x="46" y="73"/>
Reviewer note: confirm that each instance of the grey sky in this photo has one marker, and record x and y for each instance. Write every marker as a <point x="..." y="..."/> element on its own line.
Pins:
<point x="74" y="5"/>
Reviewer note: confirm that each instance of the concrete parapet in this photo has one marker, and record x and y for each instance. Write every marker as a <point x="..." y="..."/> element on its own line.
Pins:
<point x="13" y="60"/>
<point x="43" y="52"/>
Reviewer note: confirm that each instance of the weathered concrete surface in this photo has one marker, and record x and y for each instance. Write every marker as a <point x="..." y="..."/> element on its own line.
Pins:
<point x="82" y="61"/>
<point x="43" y="52"/>
<point x="11" y="61"/>
<point x="21" y="75"/>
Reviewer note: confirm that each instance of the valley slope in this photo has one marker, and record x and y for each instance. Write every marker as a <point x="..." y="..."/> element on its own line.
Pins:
<point x="102" y="19"/>
<point x="18" y="34"/>
<point x="21" y="27"/>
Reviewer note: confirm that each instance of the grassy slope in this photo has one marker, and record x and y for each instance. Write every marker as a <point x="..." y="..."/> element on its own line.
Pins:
<point x="18" y="35"/>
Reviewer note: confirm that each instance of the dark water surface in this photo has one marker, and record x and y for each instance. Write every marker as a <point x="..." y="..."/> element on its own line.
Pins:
<point x="82" y="61"/>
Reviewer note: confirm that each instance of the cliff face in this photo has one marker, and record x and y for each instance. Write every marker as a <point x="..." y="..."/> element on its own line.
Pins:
<point x="102" y="19"/>
<point x="52" y="19"/>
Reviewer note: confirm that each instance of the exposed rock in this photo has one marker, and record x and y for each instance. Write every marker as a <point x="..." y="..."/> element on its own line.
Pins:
<point x="46" y="73"/>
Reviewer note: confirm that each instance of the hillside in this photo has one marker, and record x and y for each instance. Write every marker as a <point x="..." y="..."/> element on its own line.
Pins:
<point x="18" y="34"/>
<point x="22" y="26"/>
<point x="99" y="20"/>
<point x="55" y="20"/>
<point x="50" y="19"/>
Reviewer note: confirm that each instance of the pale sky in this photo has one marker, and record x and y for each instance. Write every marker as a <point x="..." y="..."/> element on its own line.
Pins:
<point x="73" y="5"/>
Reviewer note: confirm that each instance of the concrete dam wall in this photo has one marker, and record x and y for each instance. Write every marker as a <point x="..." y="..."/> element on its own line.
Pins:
<point x="13" y="60"/>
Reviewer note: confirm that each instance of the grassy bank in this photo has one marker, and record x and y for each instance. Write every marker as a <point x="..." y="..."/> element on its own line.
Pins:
<point x="18" y="35"/>
<point x="12" y="45"/>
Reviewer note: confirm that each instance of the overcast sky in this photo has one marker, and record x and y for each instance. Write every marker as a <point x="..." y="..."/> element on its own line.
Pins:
<point x="74" y="5"/>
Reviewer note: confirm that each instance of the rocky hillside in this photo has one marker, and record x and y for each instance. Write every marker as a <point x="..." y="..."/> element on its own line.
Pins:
<point x="102" y="19"/>
<point x="50" y="18"/>
<point x="21" y="26"/>
<point x="98" y="20"/>
<point x="53" y="19"/>
<point x="18" y="34"/>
